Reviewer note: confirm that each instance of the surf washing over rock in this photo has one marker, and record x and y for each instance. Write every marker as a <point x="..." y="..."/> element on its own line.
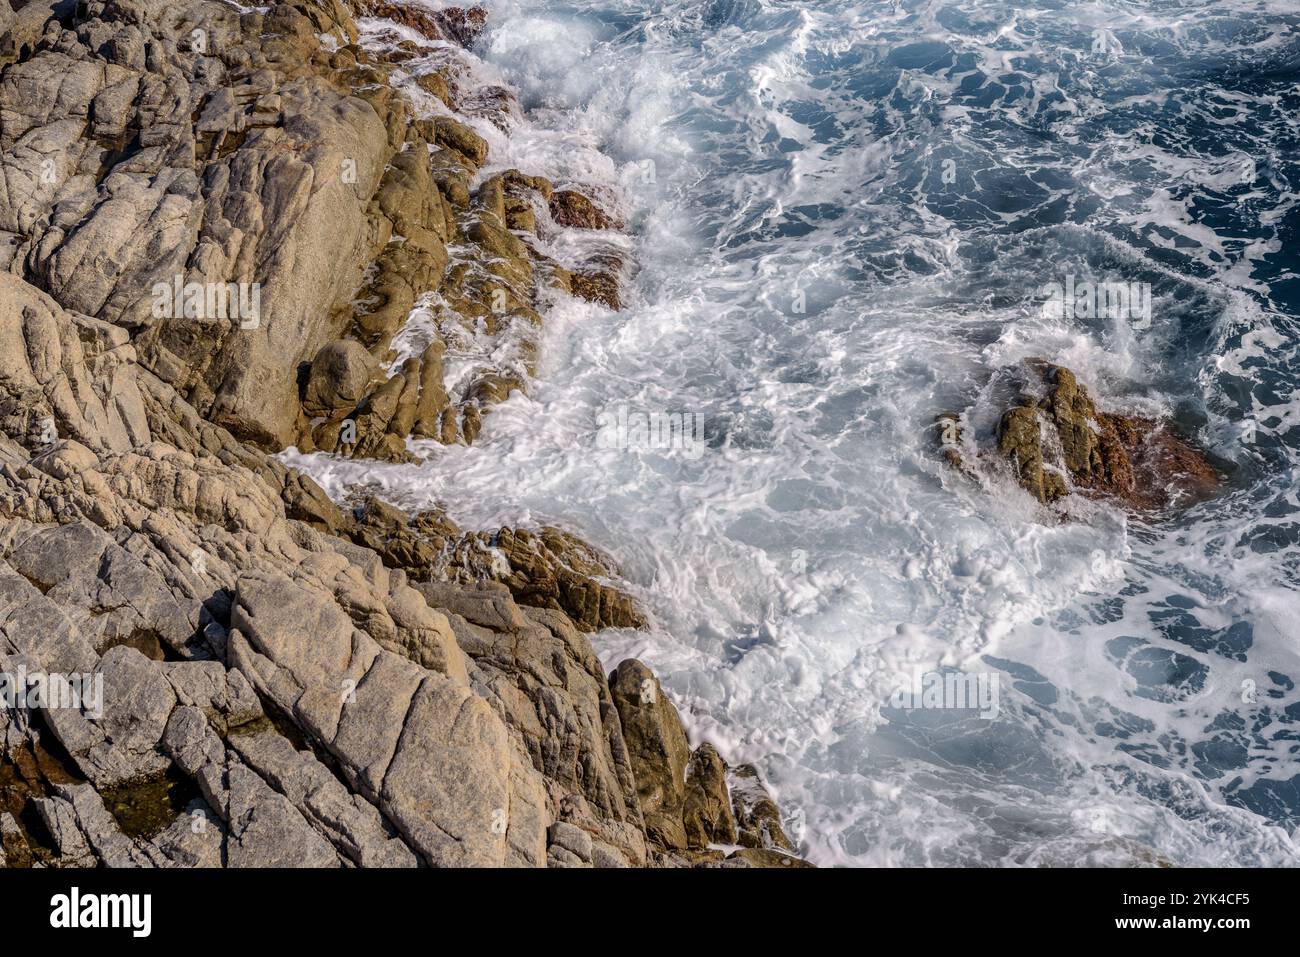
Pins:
<point x="727" y="433"/>
<point x="225" y="231"/>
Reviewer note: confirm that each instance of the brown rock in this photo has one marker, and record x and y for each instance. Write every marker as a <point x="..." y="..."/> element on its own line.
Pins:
<point x="435" y="84"/>
<point x="758" y="819"/>
<point x="463" y="25"/>
<point x="557" y="570"/>
<point x="599" y="287"/>
<point x="404" y="417"/>
<point x="707" y="811"/>
<point x="423" y="21"/>
<point x="658" y="749"/>
<point x="433" y="393"/>
<point x="339" y="377"/>
<point x="455" y="135"/>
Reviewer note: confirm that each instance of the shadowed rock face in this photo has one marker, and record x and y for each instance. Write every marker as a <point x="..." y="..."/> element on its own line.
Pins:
<point x="287" y="682"/>
<point x="691" y="801"/>
<point x="1057" y="441"/>
<point x="659" y="749"/>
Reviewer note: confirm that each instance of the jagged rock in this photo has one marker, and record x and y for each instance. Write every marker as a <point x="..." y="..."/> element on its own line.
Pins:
<point x="1020" y="440"/>
<point x="352" y="824"/>
<point x="1058" y="441"/>
<point x="197" y="838"/>
<point x="212" y="188"/>
<point x="436" y="84"/>
<point x="569" y="846"/>
<point x="546" y="682"/>
<point x="550" y="569"/>
<point x="263" y="829"/>
<point x="463" y="25"/>
<point x="149" y="539"/>
<point x="33" y="626"/>
<point x="486" y="604"/>
<point x="307" y="502"/>
<point x="420" y="744"/>
<point x="601" y="287"/>
<point x="118" y="599"/>
<point x="659" y="752"/>
<point x="457" y="24"/>
<point x="225" y="697"/>
<point x="121" y="744"/>
<point x="13" y="844"/>
<point x="431" y="408"/>
<point x="554" y="570"/>
<point x="452" y="175"/>
<point x="707" y="811"/>
<point x="762" y="858"/>
<point x="98" y="836"/>
<point x="47" y="386"/>
<point x="61" y="823"/>
<point x="758" y="820"/>
<point x="496" y="104"/>
<point x="460" y="138"/>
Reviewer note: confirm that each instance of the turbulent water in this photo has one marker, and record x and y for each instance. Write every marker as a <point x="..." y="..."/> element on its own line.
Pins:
<point x="843" y="215"/>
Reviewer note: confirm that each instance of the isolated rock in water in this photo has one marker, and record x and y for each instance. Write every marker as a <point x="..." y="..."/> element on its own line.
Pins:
<point x="950" y="437"/>
<point x="657" y="743"/>
<point x="1058" y="442"/>
<point x="1020" y="441"/>
<point x="339" y="377"/>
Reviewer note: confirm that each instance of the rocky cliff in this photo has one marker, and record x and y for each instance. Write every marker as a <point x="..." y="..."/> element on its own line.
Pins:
<point x="214" y="220"/>
<point x="1054" y="441"/>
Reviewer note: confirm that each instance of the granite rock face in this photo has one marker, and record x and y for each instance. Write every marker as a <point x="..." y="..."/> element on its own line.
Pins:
<point x="236" y="670"/>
